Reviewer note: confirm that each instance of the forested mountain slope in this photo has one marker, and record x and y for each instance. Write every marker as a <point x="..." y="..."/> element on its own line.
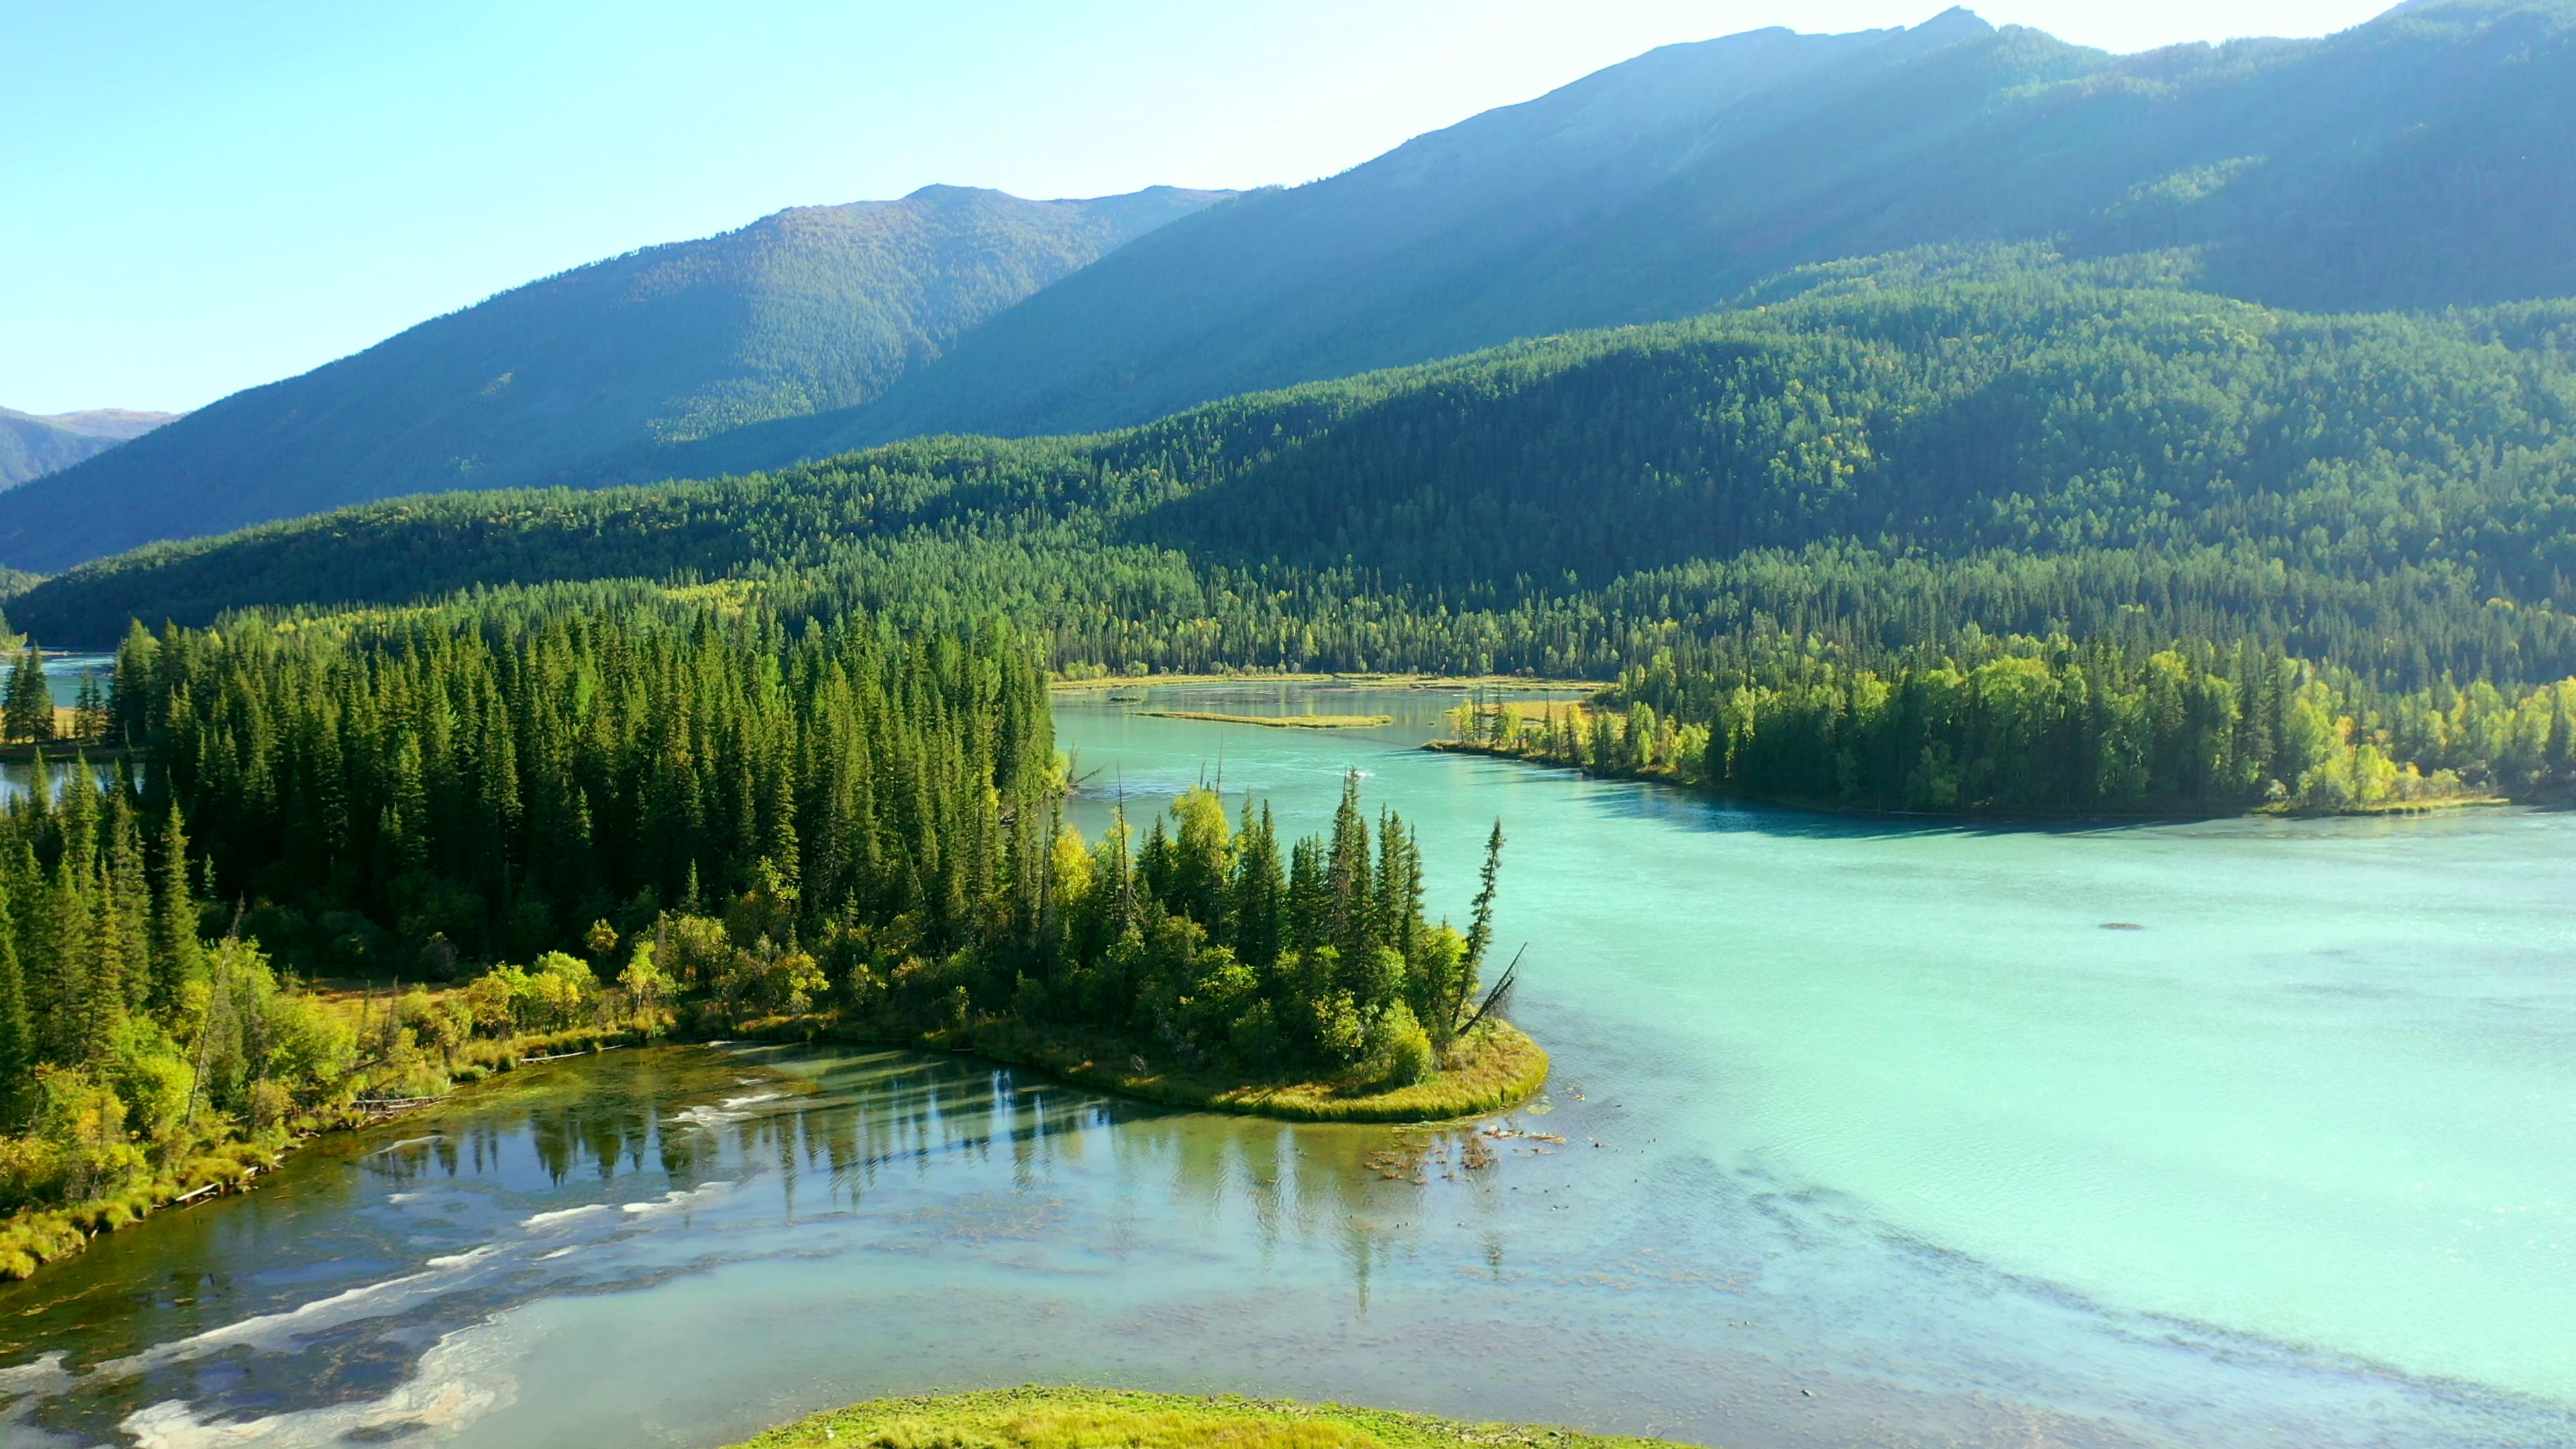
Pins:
<point x="1886" y="458"/>
<point x="33" y="446"/>
<point x="809" y="309"/>
<point x="2418" y="161"/>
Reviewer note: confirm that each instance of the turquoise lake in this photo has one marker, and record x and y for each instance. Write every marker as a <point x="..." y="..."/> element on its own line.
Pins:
<point x="2255" y="1133"/>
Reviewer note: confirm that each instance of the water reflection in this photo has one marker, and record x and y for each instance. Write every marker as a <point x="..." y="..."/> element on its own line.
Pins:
<point x="330" y="1289"/>
<point x="692" y="1243"/>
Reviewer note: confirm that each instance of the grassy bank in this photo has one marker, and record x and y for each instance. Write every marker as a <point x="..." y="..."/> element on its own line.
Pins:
<point x="1043" y="1418"/>
<point x="1500" y="1068"/>
<point x="1497" y="1069"/>
<point x="1276" y="721"/>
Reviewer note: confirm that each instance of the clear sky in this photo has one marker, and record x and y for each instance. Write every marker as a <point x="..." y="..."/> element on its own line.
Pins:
<point x="196" y="198"/>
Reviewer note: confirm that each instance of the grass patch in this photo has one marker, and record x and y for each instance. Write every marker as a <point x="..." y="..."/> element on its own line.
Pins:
<point x="1498" y="1068"/>
<point x="1043" y="1418"/>
<point x="1277" y="721"/>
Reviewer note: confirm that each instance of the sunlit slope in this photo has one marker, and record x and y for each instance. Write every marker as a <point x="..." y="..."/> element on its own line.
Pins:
<point x="1885" y="456"/>
<point x="2419" y="161"/>
<point x="809" y="309"/>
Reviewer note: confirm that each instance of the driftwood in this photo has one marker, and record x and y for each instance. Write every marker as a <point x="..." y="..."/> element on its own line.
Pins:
<point x="1501" y="996"/>
<point x="215" y="1189"/>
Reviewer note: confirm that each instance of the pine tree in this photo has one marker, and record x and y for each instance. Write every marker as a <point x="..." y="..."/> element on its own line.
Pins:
<point x="1259" y="895"/>
<point x="1480" y="926"/>
<point x="1347" y="878"/>
<point x="177" y="957"/>
<point x="125" y="910"/>
<point x="17" y="1038"/>
<point x="28" y="714"/>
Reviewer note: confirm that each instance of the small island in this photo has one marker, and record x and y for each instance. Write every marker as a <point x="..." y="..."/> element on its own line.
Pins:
<point x="1069" y="1418"/>
<point x="1277" y="721"/>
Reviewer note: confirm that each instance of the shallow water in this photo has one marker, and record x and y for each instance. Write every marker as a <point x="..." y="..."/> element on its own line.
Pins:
<point x="1895" y="1144"/>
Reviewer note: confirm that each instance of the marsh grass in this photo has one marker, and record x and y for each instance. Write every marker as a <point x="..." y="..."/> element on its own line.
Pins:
<point x="1047" y="1418"/>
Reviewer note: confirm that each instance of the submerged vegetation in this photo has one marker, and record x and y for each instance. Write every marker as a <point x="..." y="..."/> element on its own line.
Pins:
<point x="1050" y="1418"/>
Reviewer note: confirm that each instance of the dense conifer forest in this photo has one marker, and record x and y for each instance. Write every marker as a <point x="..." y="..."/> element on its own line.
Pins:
<point x="1877" y="479"/>
<point x="564" y="822"/>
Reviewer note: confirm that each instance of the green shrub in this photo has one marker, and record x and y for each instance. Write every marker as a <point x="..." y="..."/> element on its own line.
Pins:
<point x="1399" y="1050"/>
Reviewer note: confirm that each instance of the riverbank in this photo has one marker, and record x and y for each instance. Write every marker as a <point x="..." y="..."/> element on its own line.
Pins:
<point x="1498" y="1069"/>
<point x="1666" y="775"/>
<point x="63" y="751"/>
<point x="32" y="1238"/>
<point x="1076" y="1418"/>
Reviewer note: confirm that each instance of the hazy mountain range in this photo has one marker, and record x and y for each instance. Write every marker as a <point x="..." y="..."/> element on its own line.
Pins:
<point x="810" y="309"/>
<point x="2418" y="162"/>
<point x="32" y="446"/>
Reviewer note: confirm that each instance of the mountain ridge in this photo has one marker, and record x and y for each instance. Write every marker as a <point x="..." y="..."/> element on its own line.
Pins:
<point x="33" y="445"/>
<point x="2415" y="162"/>
<point x="802" y="309"/>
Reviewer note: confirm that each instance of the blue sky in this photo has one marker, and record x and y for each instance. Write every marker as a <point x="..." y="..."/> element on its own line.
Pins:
<point x="198" y="198"/>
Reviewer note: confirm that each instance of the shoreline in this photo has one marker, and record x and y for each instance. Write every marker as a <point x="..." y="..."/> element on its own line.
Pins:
<point x="1504" y="1069"/>
<point x="1508" y="1070"/>
<point x="33" y="1239"/>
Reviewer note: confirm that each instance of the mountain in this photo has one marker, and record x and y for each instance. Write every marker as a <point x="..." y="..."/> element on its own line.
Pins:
<point x="2417" y="161"/>
<point x="809" y="309"/>
<point x="33" y="446"/>
<point x="1879" y="457"/>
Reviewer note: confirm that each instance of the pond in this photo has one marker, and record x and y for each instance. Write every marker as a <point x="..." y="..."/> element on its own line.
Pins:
<point x="1871" y="1135"/>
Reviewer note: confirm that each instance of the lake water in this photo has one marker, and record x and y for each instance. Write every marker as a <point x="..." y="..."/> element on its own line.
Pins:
<point x="1872" y="1136"/>
<point x="65" y="672"/>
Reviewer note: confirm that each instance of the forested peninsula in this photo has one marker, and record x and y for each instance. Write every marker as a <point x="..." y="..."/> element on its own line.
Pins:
<point x="2029" y="727"/>
<point x="572" y="823"/>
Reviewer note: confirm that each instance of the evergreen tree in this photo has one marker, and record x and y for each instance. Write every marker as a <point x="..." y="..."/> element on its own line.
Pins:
<point x="17" y="1037"/>
<point x="28" y="714"/>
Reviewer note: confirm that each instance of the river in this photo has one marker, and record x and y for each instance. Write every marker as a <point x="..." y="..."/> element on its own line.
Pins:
<point x="2242" y="1133"/>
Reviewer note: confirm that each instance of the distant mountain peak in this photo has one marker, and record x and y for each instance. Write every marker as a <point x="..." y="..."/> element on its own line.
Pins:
<point x="1957" y="20"/>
